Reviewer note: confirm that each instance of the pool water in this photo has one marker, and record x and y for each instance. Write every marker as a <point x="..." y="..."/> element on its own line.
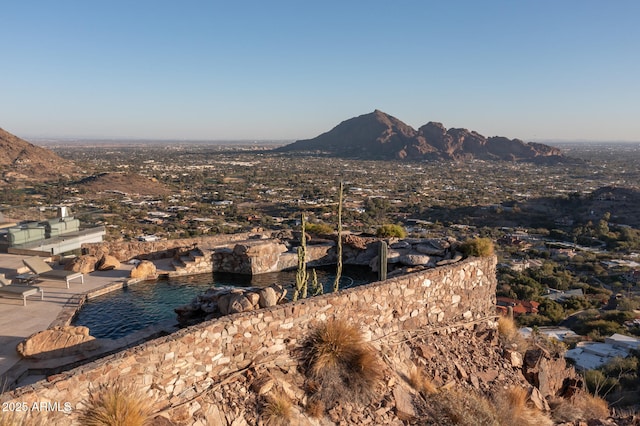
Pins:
<point x="122" y="312"/>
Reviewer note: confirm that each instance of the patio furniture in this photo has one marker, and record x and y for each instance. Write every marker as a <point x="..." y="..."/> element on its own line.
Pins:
<point x="12" y="290"/>
<point x="27" y="278"/>
<point x="40" y="267"/>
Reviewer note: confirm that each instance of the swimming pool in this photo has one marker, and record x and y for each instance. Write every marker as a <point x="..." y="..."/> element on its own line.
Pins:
<point x="122" y="312"/>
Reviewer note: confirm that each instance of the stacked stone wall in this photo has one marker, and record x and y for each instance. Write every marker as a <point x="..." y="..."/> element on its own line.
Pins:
<point x="172" y="369"/>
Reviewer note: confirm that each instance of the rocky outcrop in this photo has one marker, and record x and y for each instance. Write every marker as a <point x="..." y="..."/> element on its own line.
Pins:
<point x="162" y="249"/>
<point x="550" y="374"/>
<point x="107" y="263"/>
<point x="264" y="256"/>
<point x="57" y="342"/>
<point x="145" y="270"/>
<point x="217" y="302"/>
<point x="380" y="136"/>
<point x="84" y="264"/>
<point x="407" y="255"/>
<point x="249" y="257"/>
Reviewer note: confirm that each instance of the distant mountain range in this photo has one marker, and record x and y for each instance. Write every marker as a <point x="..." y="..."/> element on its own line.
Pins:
<point x="379" y="136"/>
<point x="23" y="161"/>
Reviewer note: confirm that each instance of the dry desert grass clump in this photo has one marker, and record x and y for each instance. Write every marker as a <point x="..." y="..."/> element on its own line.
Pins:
<point x="315" y="408"/>
<point x="420" y="382"/>
<point x="278" y="410"/>
<point x="507" y="328"/>
<point x="116" y="404"/>
<point x="464" y="408"/>
<point x="510" y="336"/>
<point x="341" y="364"/>
<point x="512" y="409"/>
<point x="581" y="406"/>
<point x="468" y="408"/>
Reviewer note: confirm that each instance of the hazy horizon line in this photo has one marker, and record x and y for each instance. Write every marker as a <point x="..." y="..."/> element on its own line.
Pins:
<point x="267" y="141"/>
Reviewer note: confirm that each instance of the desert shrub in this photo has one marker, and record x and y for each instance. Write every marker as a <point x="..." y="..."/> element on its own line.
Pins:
<point x="420" y="382"/>
<point x="582" y="406"/>
<point x="598" y="329"/>
<point x="464" y="409"/>
<point x="115" y="404"/>
<point x="507" y="328"/>
<point x="618" y="316"/>
<point x="599" y="384"/>
<point x="318" y="228"/>
<point x="509" y="334"/>
<point x="533" y="320"/>
<point x="340" y="364"/>
<point x="552" y="345"/>
<point x="278" y="410"/>
<point x="512" y="409"/>
<point x="629" y="304"/>
<point x="390" y="230"/>
<point x="315" y="407"/>
<point x="480" y="247"/>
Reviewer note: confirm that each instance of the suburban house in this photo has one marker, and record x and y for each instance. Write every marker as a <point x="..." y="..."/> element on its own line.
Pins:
<point x="591" y="355"/>
<point x="520" y="307"/>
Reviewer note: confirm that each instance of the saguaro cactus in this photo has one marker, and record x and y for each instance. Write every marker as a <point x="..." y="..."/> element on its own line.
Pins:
<point x="336" y="283"/>
<point x="301" y="273"/>
<point x="382" y="261"/>
<point x="315" y="287"/>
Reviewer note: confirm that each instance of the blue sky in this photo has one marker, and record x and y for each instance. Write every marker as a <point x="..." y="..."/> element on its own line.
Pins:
<point x="536" y="70"/>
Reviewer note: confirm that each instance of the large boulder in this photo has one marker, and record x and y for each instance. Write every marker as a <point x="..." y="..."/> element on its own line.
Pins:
<point x="395" y="255"/>
<point x="253" y="298"/>
<point x="57" y="342"/>
<point x="84" y="264"/>
<point x="415" y="259"/>
<point x="145" y="270"/>
<point x="107" y="263"/>
<point x="249" y="257"/>
<point x="432" y="247"/>
<point x="268" y="297"/>
<point x="239" y="303"/>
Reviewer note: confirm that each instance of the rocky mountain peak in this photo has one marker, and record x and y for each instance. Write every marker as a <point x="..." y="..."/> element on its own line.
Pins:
<point x="380" y="136"/>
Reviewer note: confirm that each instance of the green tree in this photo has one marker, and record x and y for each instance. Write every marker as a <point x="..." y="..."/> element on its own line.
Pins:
<point x="551" y="310"/>
<point x="391" y="230"/>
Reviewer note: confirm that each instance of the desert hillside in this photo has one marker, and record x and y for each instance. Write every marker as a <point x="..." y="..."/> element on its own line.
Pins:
<point x="21" y="161"/>
<point x="127" y="183"/>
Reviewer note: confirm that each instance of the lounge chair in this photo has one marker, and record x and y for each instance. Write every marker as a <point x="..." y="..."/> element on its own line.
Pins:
<point x="40" y="267"/>
<point x="12" y="290"/>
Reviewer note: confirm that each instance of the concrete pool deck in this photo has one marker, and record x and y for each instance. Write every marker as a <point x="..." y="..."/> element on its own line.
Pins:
<point x="18" y="322"/>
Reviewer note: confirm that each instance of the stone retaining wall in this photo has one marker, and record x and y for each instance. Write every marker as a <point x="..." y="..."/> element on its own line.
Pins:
<point x="126" y="250"/>
<point x="172" y="369"/>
